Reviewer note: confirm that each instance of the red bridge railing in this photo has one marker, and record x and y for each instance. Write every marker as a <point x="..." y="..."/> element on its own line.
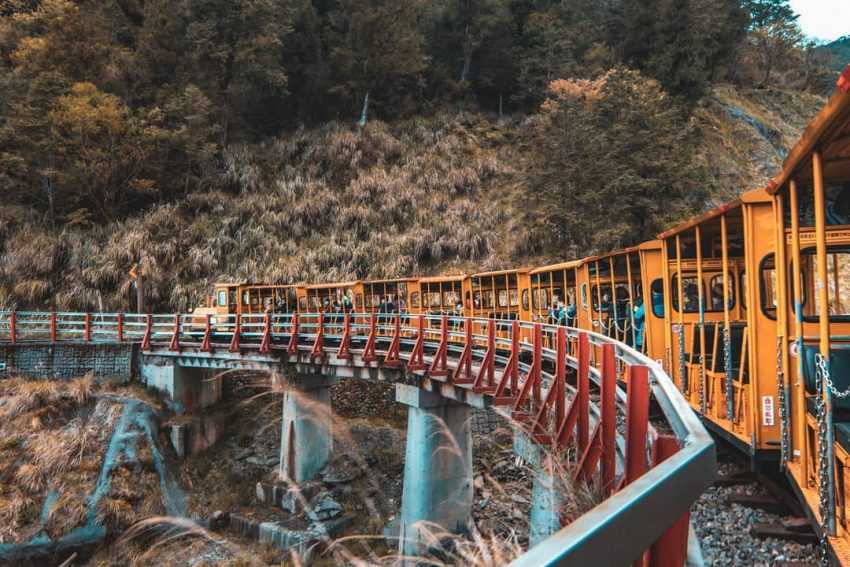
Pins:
<point x="541" y="376"/>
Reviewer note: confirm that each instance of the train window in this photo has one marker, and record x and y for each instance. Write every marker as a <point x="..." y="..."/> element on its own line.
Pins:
<point x="246" y="298"/>
<point x="622" y="295"/>
<point x="222" y="298"/>
<point x="513" y="296"/>
<point x="358" y="300"/>
<point x="503" y="298"/>
<point x="525" y="299"/>
<point x="302" y="304"/>
<point x="541" y="298"/>
<point x="450" y="299"/>
<point x="715" y="286"/>
<point x="656" y="288"/>
<point x="414" y="299"/>
<point x="838" y="283"/>
<point x="584" y="295"/>
<point x="690" y="292"/>
<point x="767" y="285"/>
<point x="433" y="300"/>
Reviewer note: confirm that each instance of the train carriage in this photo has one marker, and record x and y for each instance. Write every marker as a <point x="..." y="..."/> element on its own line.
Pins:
<point x="812" y="286"/>
<point x="550" y="285"/>
<point x="403" y="293"/>
<point x="718" y="319"/>
<point x="497" y="294"/>
<point x="319" y="298"/>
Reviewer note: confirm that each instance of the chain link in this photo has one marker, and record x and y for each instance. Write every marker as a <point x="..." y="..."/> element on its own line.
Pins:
<point x="702" y="392"/>
<point x="823" y="367"/>
<point x="730" y="385"/>
<point x="683" y="376"/>
<point x="785" y="441"/>
<point x="823" y="473"/>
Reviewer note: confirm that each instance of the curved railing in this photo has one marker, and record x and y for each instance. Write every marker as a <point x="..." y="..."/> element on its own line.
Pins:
<point x="542" y="376"/>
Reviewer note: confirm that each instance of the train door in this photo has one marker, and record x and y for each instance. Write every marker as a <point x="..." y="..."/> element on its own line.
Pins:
<point x="652" y="277"/>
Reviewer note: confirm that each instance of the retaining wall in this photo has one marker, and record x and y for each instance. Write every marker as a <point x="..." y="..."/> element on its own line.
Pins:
<point x="66" y="361"/>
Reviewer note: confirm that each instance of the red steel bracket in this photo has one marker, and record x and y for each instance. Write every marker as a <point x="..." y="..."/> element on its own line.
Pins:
<point x="344" y="352"/>
<point x="206" y="344"/>
<point x="637" y="422"/>
<point x="266" y="343"/>
<point x="13" y="327"/>
<point x="369" y="350"/>
<point x="417" y="355"/>
<point x="318" y="350"/>
<point x="671" y="549"/>
<point x="120" y="325"/>
<point x="609" y="418"/>
<point x="175" y="337"/>
<point x="439" y="365"/>
<point x="292" y="347"/>
<point x="510" y="373"/>
<point x="237" y="333"/>
<point x="531" y="386"/>
<point x="392" y="357"/>
<point x="463" y="373"/>
<point x="53" y="326"/>
<point x="87" y="328"/>
<point x="146" y="339"/>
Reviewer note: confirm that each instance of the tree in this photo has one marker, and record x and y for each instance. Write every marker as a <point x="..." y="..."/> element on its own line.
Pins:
<point x="376" y="51"/>
<point x="99" y="155"/>
<point x="774" y="33"/>
<point x="682" y="43"/>
<point x="614" y="162"/>
<point x="237" y="48"/>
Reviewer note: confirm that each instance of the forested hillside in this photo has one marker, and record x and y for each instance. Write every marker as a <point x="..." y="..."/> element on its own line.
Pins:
<point x="287" y="140"/>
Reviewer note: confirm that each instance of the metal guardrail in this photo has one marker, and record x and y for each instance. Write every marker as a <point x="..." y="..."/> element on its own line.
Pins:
<point x="521" y="366"/>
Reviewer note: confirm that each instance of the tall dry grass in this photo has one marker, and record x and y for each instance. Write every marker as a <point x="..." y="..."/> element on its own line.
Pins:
<point x="318" y="205"/>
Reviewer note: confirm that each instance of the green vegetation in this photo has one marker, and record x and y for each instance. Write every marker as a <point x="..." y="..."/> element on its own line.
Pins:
<point x="327" y="139"/>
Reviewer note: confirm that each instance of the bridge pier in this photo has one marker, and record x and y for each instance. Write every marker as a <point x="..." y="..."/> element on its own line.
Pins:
<point x="306" y="428"/>
<point x="437" y="467"/>
<point x="546" y="491"/>
<point x="186" y="389"/>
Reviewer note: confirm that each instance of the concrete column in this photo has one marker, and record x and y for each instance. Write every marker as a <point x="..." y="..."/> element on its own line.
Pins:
<point x="546" y="492"/>
<point x="186" y="389"/>
<point x="437" y="467"/>
<point x="306" y="428"/>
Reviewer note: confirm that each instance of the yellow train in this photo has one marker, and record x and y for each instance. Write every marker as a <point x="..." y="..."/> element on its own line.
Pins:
<point x="747" y="307"/>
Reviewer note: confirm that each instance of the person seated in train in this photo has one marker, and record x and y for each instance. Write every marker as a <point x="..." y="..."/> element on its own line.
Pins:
<point x="402" y="305"/>
<point x="691" y="298"/>
<point x="347" y="304"/>
<point x="326" y="305"/>
<point x="658" y="302"/>
<point x="280" y="305"/>
<point x="570" y="313"/>
<point x="553" y="315"/>
<point x="382" y="306"/>
<point x="391" y="307"/>
<point x="640" y="319"/>
<point x="562" y="314"/>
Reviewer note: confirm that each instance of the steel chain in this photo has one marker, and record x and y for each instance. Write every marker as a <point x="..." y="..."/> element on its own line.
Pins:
<point x="785" y="442"/>
<point x="730" y="386"/>
<point x="823" y="473"/>
<point x="702" y="392"/>
<point x="821" y="361"/>
<point x="683" y="376"/>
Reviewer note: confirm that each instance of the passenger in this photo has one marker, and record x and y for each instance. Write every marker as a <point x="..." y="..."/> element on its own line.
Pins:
<point x="571" y="315"/>
<point x="347" y="304"/>
<point x="391" y="307"/>
<point x="640" y="319"/>
<point x="562" y="314"/>
<point x="553" y="314"/>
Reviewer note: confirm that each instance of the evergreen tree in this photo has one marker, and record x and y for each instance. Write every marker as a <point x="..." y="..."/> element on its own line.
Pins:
<point x="774" y="35"/>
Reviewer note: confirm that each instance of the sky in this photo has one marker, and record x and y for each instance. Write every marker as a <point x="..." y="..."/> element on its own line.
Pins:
<point x="823" y="19"/>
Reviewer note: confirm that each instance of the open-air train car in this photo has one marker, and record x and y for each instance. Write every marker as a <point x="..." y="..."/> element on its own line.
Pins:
<point x="716" y="268"/>
<point x="811" y="269"/>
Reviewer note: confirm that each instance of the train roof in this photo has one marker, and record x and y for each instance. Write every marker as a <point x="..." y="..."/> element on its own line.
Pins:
<point x="752" y="196"/>
<point x="333" y="285"/>
<point x="502" y="272"/>
<point x="559" y="266"/>
<point x="447" y="278"/>
<point x="390" y="280"/>
<point x="829" y="131"/>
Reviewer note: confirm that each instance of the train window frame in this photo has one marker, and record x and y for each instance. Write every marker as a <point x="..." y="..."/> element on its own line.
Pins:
<point x="618" y="286"/>
<point x="222" y="298"/>
<point x="732" y="291"/>
<point x="525" y="300"/>
<point x="414" y="299"/>
<point x="584" y="303"/>
<point x="663" y="299"/>
<point x="812" y="251"/>
<point x="762" y="289"/>
<point x="674" y="300"/>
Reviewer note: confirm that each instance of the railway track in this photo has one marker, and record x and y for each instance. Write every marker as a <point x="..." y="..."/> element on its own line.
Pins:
<point x="751" y="519"/>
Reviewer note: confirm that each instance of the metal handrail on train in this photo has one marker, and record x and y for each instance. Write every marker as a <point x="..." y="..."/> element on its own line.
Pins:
<point x="617" y="531"/>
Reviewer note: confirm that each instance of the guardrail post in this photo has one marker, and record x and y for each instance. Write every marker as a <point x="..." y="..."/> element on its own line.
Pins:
<point x="583" y="392"/>
<point x="206" y="344"/>
<point x="175" y="336"/>
<point x="53" y="326"/>
<point x="294" y="331"/>
<point x="345" y="344"/>
<point x="637" y="421"/>
<point x="120" y="327"/>
<point x="463" y="373"/>
<point x="671" y="549"/>
<point x="146" y="339"/>
<point x="237" y="332"/>
<point x="369" y="350"/>
<point x="319" y="344"/>
<point x="392" y="356"/>
<point x="487" y="370"/>
<point x="560" y="373"/>
<point x="511" y="371"/>
<point x="417" y="355"/>
<point x="439" y="365"/>
<point x="532" y="379"/>
<point x="87" y="328"/>
<point x="266" y="342"/>
<point x="609" y="418"/>
<point x="13" y="327"/>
